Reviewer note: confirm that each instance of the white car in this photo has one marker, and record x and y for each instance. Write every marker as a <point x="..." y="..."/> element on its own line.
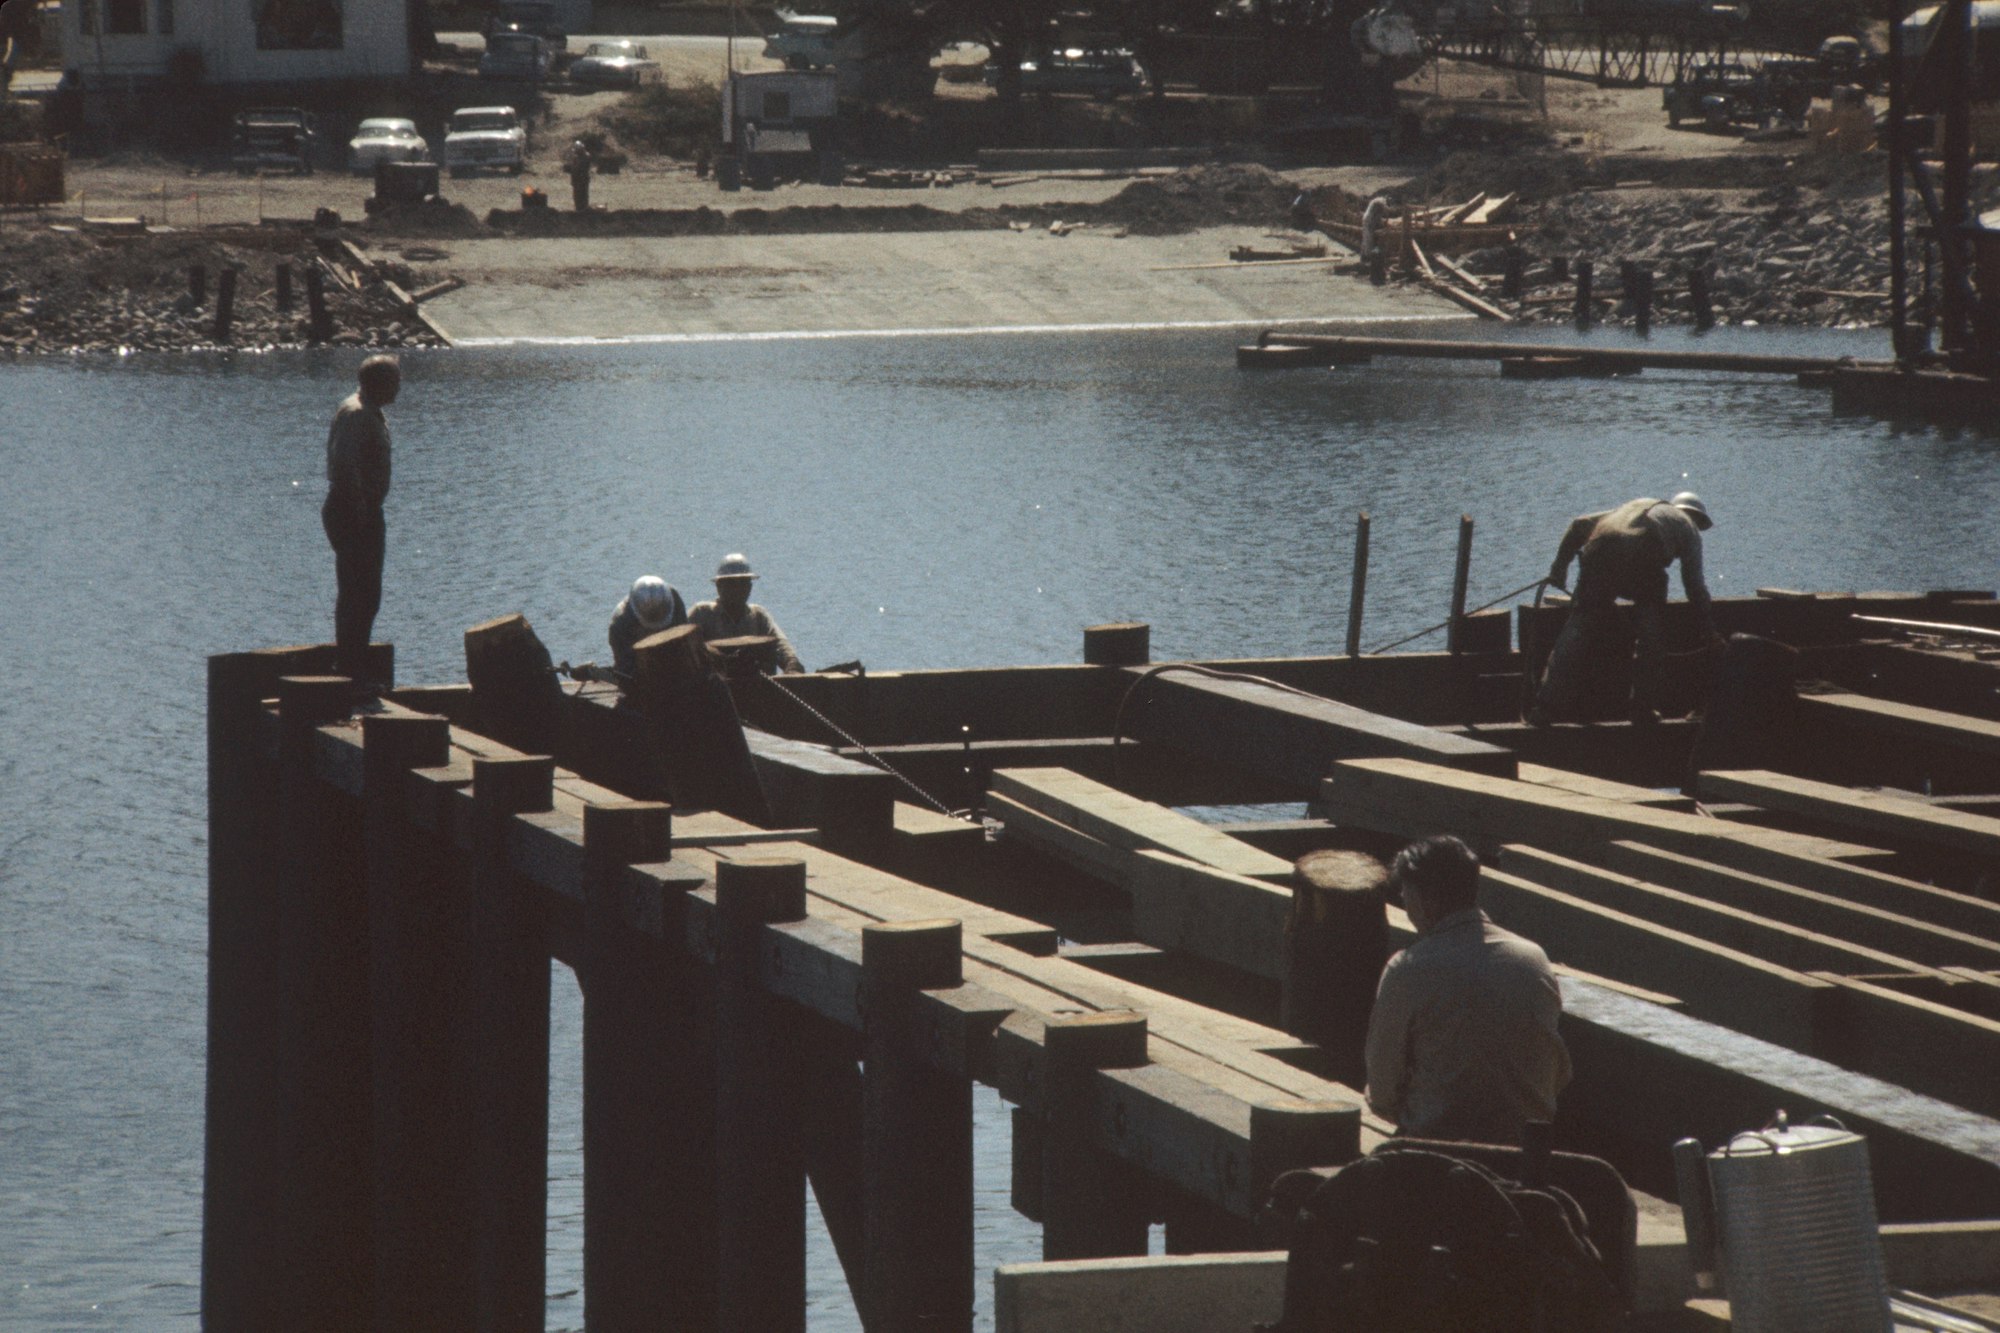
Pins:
<point x="615" y="65"/>
<point x="803" y="41"/>
<point x="485" y="136"/>
<point x="385" y="140"/>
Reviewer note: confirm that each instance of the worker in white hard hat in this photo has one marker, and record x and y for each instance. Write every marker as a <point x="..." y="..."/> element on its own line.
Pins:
<point x="651" y="606"/>
<point x="1624" y="552"/>
<point x="732" y="614"/>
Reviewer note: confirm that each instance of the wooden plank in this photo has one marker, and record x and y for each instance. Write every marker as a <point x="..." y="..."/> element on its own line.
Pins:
<point x="1925" y="1046"/>
<point x="1229" y="919"/>
<point x="1477" y="305"/>
<point x="1422" y="261"/>
<point x="1471" y="280"/>
<point x="1493" y="210"/>
<point x="1908" y="931"/>
<point x="1731" y="926"/>
<point x="1583" y="784"/>
<point x="1074" y="848"/>
<point x="1462" y="212"/>
<point x="1127" y="822"/>
<point x="1868" y="811"/>
<point x="1977" y="735"/>
<point x="1716" y="983"/>
<point x="1412" y="799"/>
<point x="1290" y="736"/>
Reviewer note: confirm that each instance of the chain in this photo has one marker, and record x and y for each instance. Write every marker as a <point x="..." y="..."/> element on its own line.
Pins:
<point x="872" y="757"/>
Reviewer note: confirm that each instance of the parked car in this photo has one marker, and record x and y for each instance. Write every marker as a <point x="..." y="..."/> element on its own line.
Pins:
<point x="534" y="16"/>
<point x="803" y="41"/>
<point x="1719" y="93"/>
<point x="485" y="136"/>
<point x="385" y="139"/>
<point x="521" y="56"/>
<point x="1102" y="72"/>
<point x="273" y="136"/>
<point x="615" y="65"/>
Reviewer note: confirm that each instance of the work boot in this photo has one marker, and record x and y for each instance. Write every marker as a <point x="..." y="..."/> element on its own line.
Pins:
<point x="1538" y="716"/>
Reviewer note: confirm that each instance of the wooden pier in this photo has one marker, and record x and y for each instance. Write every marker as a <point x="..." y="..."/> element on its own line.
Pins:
<point x="798" y="977"/>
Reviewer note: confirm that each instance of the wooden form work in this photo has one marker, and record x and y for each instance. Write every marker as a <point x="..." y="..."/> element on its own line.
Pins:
<point x="725" y="959"/>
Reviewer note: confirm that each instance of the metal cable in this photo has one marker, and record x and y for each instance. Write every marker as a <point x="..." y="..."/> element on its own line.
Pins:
<point x="1118" y="718"/>
<point x="873" y="758"/>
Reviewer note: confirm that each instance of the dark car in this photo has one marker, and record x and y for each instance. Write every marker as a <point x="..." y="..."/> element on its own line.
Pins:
<point x="273" y="137"/>
<point x="1719" y="93"/>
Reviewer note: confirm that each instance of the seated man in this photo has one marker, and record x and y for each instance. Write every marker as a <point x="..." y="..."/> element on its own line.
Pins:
<point x="651" y="606"/>
<point x="732" y="614"/>
<point x="1462" y="1043"/>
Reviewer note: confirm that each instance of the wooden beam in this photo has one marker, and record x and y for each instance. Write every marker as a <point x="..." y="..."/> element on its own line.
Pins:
<point x="1583" y="784"/>
<point x="1292" y="736"/>
<point x="1908" y="928"/>
<point x="1975" y="734"/>
<point x="1131" y="824"/>
<point x="1925" y="1046"/>
<point x="1412" y="799"/>
<point x="1719" y="923"/>
<point x="1868" y="811"/>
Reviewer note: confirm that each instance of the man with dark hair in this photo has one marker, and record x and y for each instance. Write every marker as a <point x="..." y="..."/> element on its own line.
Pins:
<point x="357" y="482"/>
<point x="1462" y="1042"/>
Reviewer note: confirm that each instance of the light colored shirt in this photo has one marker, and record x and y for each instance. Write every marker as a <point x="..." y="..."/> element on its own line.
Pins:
<point x="715" y="623"/>
<point x="1462" y="1043"/>
<point x="1676" y="536"/>
<point x="357" y="458"/>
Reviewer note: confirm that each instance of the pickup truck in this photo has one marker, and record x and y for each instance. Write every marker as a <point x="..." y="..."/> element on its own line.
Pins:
<point x="272" y="137"/>
<point x="485" y="136"/>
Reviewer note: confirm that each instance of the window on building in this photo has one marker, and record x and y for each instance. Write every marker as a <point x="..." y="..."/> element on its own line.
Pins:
<point x="163" y="16"/>
<point x="298" y="25"/>
<point x="124" y="18"/>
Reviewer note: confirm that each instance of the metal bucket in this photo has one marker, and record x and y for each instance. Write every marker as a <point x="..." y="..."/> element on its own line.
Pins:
<point x="1795" y="1217"/>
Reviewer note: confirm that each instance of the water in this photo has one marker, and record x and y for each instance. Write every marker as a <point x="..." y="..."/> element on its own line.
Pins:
<point x="965" y="501"/>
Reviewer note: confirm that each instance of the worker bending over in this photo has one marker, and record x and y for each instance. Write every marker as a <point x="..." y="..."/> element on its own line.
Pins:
<point x="1462" y="1042"/>
<point x="651" y="606"/>
<point x="732" y="614"/>
<point x="1624" y="552"/>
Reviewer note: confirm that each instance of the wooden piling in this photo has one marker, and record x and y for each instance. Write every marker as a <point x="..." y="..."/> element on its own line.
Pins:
<point x="516" y="697"/>
<point x="1090" y="1207"/>
<point x="284" y="293"/>
<point x="760" y="1168"/>
<point x="1637" y="281"/>
<point x="1357" y="595"/>
<point x="325" y="1206"/>
<point x="1699" y="279"/>
<point x="319" y="324"/>
<point x="637" y="1254"/>
<point x="1585" y="310"/>
<point x="1336" y="941"/>
<point x="509" y="1045"/>
<point x="225" y="303"/>
<point x="1121" y="644"/>
<point x="917" y="1140"/>
<point x="1513" y="279"/>
<point x="424" y="1272"/>
<point x="698" y="739"/>
<point x="1460" y="577"/>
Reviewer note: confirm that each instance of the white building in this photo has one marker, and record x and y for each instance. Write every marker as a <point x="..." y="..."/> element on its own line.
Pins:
<point x="120" y="42"/>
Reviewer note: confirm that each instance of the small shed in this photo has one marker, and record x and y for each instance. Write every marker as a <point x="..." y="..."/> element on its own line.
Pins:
<point x="788" y="100"/>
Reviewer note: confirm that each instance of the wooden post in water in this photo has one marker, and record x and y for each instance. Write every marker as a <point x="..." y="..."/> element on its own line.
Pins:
<point x="1127" y="643"/>
<point x="634" y="1257"/>
<point x="424" y="1273"/>
<point x="509" y="1046"/>
<point x="1090" y="1209"/>
<point x="917" y="1141"/>
<point x="1336" y="941"/>
<point x="1358" y="591"/>
<point x="325" y="1208"/>
<point x="319" y="324"/>
<point x="760" y="1168"/>
<point x="225" y="303"/>
<point x="516" y="697"/>
<point x="1514" y="277"/>
<point x="1586" y="313"/>
<point x="1699" y="279"/>
<point x="1637" y="280"/>
<point x="1461" y="576"/>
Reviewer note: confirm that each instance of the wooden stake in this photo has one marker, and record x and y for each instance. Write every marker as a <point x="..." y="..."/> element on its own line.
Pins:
<point x="1090" y="1209"/>
<point x="1358" y="591"/>
<point x="1461" y="575"/>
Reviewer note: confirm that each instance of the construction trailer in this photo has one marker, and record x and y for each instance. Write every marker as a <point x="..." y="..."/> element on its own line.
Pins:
<point x="779" y="126"/>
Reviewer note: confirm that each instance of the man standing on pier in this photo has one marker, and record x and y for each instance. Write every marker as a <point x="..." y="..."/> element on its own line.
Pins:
<point x="1462" y="1042"/>
<point x="357" y="482"/>
<point x="1624" y="552"/>
<point x="731" y="614"/>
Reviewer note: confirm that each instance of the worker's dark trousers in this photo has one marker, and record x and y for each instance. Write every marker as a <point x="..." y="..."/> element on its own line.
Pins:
<point x="1566" y="680"/>
<point x="579" y="190"/>
<point x="357" y="567"/>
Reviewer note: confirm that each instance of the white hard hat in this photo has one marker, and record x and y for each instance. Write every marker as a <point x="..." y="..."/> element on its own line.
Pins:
<point x="1692" y="505"/>
<point x="734" y="566"/>
<point x="652" y="601"/>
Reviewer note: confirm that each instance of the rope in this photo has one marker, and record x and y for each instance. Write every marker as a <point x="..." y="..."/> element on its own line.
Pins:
<point x="1446" y="623"/>
<point x="872" y="757"/>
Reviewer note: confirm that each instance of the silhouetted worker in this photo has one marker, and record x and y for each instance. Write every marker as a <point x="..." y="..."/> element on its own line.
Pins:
<point x="357" y="482"/>
<point x="1624" y="552"/>
<point x="732" y="614"/>
<point x="576" y="161"/>
<point x="651" y="606"/>
<point x="1462" y="1042"/>
<point x="1301" y="216"/>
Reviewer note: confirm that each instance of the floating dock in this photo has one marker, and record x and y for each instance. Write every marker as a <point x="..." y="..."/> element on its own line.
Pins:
<point x="802" y="939"/>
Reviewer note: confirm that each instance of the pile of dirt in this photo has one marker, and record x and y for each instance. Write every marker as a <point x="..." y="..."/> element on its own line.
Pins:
<point x="67" y="291"/>
<point x="434" y="217"/>
<point x="1532" y="176"/>
<point x="1218" y="195"/>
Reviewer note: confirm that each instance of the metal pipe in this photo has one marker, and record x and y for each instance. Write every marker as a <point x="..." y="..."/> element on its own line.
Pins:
<point x="1359" y="591"/>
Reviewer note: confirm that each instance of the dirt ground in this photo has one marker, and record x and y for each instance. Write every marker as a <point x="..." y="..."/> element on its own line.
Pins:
<point x="667" y="253"/>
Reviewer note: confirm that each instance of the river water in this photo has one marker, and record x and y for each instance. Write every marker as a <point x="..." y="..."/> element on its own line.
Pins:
<point x="960" y="501"/>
